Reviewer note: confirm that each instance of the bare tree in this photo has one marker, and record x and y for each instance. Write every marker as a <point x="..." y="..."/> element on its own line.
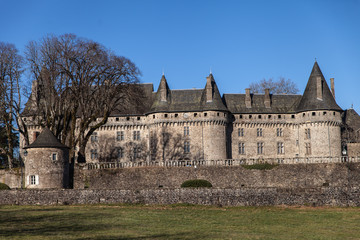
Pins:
<point x="282" y="86"/>
<point x="10" y="72"/>
<point x="79" y="83"/>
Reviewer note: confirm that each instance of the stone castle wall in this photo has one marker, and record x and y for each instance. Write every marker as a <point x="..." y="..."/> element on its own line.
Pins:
<point x="282" y="176"/>
<point x="324" y="196"/>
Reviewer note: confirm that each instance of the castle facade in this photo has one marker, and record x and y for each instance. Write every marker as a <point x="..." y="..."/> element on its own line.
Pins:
<point x="202" y="124"/>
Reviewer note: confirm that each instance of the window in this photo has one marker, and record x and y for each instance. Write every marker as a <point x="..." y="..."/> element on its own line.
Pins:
<point x="280" y="148"/>
<point x="120" y="136"/>
<point x="186" y="147"/>
<point x="136" y="151"/>
<point x="120" y="153"/>
<point x="308" y="148"/>
<point x="54" y="156"/>
<point x="269" y="116"/>
<point x="279" y="132"/>
<point x="34" y="180"/>
<point x="136" y="135"/>
<point x="241" y="148"/>
<point x="94" y="154"/>
<point x="260" y="148"/>
<point x="307" y="133"/>
<point x="240" y="116"/>
<point x="165" y="115"/>
<point x="186" y="131"/>
<point x="314" y="113"/>
<point x="240" y="132"/>
<point x="259" y="117"/>
<point x="259" y="132"/>
<point x="117" y="119"/>
<point x="279" y="116"/>
<point x="94" y="137"/>
<point x="292" y="116"/>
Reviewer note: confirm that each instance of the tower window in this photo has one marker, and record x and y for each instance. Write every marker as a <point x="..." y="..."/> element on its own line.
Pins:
<point x="307" y="133"/>
<point x="240" y="132"/>
<point x="120" y="136"/>
<point x="280" y="148"/>
<point x="94" y="137"/>
<point x="54" y="157"/>
<point x="94" y="154"/>
<point x="34" y="180"/>
<point x="259" y="132"/>
<point x="241" y="148"/>
<point x="279" y="132"/>
<point x="186" y="147"/>
<point x="260" y="148"/>
<point x="120" y="153"/>
<point x="136" y="135"/>
<point x="186" y="131"/>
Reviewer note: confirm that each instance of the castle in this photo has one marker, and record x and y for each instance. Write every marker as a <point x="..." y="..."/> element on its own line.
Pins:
<point x="199" y="124"/>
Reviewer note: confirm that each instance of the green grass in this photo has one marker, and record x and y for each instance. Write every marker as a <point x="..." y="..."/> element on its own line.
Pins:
<point x="180" y="221"/>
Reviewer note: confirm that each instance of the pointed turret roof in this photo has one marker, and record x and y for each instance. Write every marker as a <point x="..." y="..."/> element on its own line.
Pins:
<point x="216" y="102"/>
<point x="310" y="100"/>
<point x="46" y="139"/>
<point x="163" y="96"/>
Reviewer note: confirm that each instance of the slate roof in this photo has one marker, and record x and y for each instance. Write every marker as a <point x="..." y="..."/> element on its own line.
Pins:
<point x="46" y="139"/>
<point x="279" y="103"/>
<point x="187" y="100"/>
<point x="309" y="101"/>
<point x="352" y="119"/>
<point x="139" y="104"/>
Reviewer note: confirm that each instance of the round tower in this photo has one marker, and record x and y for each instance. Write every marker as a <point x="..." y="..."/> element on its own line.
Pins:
<point x="46" y="162"/>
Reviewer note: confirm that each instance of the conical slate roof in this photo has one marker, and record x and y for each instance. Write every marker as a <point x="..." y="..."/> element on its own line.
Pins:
<point x="309" y="100"/>
<point x="46" y="139"/>
<point x="159" y="105"/>
<point x="217" y="103"/>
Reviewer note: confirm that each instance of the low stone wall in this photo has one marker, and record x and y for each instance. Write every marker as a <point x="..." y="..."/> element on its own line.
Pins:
<point x="12" y="178"/>
<point x="325" y="196"/>
<point x="282" y="176"/>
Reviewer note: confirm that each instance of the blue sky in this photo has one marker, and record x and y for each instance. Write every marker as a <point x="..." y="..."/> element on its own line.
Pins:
<point x="241" y="41"/>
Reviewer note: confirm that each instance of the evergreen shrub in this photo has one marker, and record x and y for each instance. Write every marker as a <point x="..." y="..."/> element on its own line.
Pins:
<point x="196" y="183"/>
<point x="3" y="186"/>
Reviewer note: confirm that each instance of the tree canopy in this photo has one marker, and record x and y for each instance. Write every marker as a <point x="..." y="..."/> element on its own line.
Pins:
<point x="281" y="86"/>
<point x="78" y="83"/>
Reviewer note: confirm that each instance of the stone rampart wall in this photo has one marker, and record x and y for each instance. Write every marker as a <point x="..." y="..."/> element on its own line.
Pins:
<point x="235" y="177"/>
<point x="325" y="196"/>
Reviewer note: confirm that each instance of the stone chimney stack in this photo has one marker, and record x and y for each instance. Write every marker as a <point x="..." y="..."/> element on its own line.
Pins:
<point x="247" y="98"/>
<point x="332" y="87"/>
<point x="209" y="88"/>
<point x="319" y="91"/>
<point x="267" y="102"/>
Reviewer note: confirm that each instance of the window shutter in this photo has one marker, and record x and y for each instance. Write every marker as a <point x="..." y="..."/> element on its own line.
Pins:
<point x="37" y="179"/>
<point x="28" y="179"/>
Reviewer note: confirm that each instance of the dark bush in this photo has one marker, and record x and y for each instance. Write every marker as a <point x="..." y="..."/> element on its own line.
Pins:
<point x="3" y="186"/>
<point x="261" y="166"/>
<point x="196" y="183"/>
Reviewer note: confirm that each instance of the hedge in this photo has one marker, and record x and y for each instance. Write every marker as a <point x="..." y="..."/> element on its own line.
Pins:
<point x="196" y="183"/>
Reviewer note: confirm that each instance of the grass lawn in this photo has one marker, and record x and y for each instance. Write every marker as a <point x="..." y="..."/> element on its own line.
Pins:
<point x="177" y="222"/>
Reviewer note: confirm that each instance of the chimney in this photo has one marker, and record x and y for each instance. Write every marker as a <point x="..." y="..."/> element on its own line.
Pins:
<point x="332" y="87"/>
<point x="319" y="88"/>
<point x="267" y="98"/>
<point x="209" y="89"/>
<point x="247" y="98"/>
